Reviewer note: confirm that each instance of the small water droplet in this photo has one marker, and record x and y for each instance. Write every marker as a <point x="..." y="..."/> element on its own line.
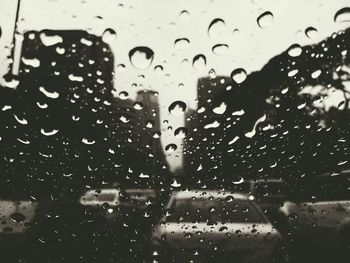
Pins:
<point x="120" y="67"/>
<point x="212" y="74"/>
<point x="265" y="19"/>
<point x="109" y="35"/>
<point x="295" y="50"/>
<point x="158" y="69"/>
<point x="171" y="147"/>
<point x="316" y="74"/>
<point x="199" y="62"/>
<point x="239" y="75"/>
<point x="48" y="133"/>
<point x="141" y="57"/>
<point x="33" y="62"/>
<point x="181" y="43"/>
<point x="138" y="106"/>
<point x="18" y="217"/>
<point x="235" y="32"/>
<point x="220" y="49"/>
<point x="177" y="108"/>
<point x="123" y="95"/>
<point x="311" y="32"/>
<point x="293" y="72"/>
<point x="50" y="40"/>
<point x="175" y="183"/>
<point x="184" y="15"/>
<point x="220" y="109"/>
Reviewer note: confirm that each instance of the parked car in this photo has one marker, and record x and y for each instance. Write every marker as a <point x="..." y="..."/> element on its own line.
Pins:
<point x="319" y="214"/>
<point x="269" y="191"/>
<point x="270" y="195"/>
<point x="208" y="226"/>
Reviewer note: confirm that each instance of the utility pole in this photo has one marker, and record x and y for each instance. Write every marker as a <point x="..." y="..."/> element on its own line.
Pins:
<point x="17" y="45"/>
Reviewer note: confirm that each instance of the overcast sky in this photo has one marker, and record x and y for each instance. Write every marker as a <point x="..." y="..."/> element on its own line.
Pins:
<point x="158" y="23"/>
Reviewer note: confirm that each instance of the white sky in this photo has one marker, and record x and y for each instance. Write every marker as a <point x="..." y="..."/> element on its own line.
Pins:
<point x="157" y="23"/>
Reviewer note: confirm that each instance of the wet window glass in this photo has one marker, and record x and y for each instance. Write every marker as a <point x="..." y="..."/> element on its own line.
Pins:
<point x="174" y="131"/>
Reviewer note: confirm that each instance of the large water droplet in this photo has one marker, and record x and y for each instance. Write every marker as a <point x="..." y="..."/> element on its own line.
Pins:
<point x="181" y="43"/>
<point x="311" y="32"/>
<point x="239" y="75"/>
<point x="109" y="35"/>
<point x="199" y="62"/>
<point x="343" y="15"/>
<point x="141" y="57"/>
<point x="177" y="108"/>
<point x="216" y="27"/>
<point x="265" y="19"/>
<point x="220" y="49"/>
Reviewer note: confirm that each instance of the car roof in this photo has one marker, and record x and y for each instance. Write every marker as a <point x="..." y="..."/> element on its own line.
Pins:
<point x="210" y="193"/>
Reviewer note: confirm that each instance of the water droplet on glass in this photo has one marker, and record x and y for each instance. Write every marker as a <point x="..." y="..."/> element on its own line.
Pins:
<point x="199" y="62"/>
<point x="120" y="68"/>
<point x="265" y="19"/>
<point x="124" y="119"/>
<point x="220" y="109"/>
<point x="50" y="40"/>
<point x="212" y="74"/>
<point x="311" y="32"/>
<point x="216" y="27"/>
<point x="295" y="50"/>
<point x="184" y="15"/>
<point x="49" y="94"/>
<point x="141" y="57"/>
<point x="123" y="95"/>
<point x="343" y="15"/>
<point x="220" y="49"/>
<point x="158" y="69"/>
<point x="212" y="125"/>
<point x="181" y="132"/>
<point x="48" y="133"/>
<point x="239" y="75"/>
<point x="75" y="78"/>
<point x="33" y="62"/>
<point x="86" y="141"/>
<point x="18" y="217"/>
<point x="109" y="35"/>
<point x="138" y="106"/>
<point x="171" y="148"/>
<point x="316" y="74"/>
<point x="293" y="72"/>
<point x="177" y="108"/>
<point x="181" y="43"/>
<point x="235" y="32"/>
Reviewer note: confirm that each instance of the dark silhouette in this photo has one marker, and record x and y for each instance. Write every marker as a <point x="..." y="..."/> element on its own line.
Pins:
<point x="296" y="136"/>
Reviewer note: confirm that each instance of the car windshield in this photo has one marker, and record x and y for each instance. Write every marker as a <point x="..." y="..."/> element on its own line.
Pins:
<point x="214" y="211"/>
<point x="111" y="108"/>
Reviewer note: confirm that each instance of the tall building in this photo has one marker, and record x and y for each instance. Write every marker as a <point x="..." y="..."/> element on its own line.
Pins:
<point x="202" y="153"/>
